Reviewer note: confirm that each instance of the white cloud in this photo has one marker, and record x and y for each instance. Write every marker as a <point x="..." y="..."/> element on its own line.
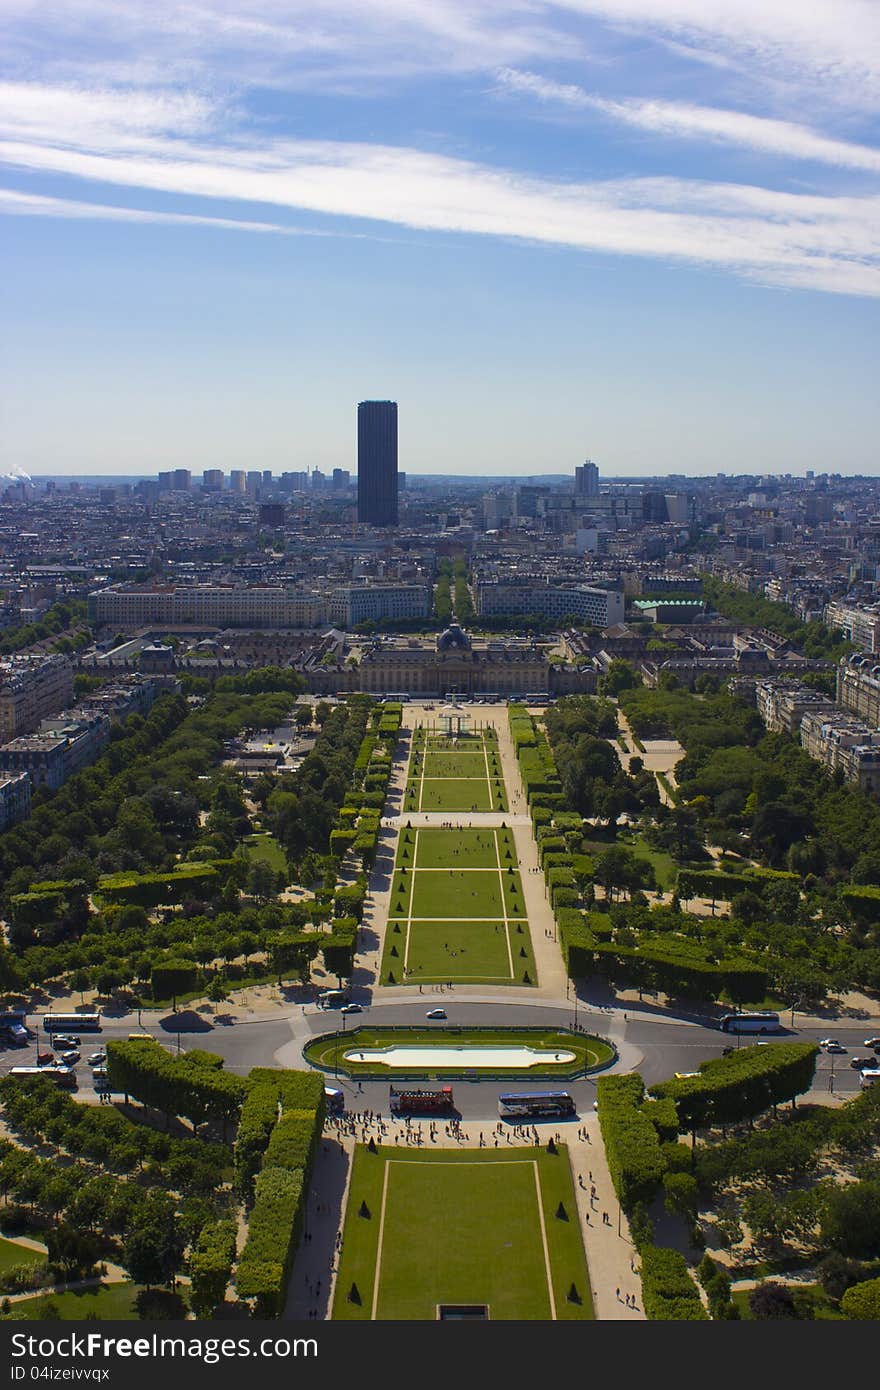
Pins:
<point x="782" y="238"/>
<point x="831" y="46"/>
<point x="12" y="201"/>
<point x="701" y="122"/>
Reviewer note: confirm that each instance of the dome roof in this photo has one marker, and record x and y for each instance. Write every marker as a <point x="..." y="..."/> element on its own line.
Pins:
<point x="453" y="637"/>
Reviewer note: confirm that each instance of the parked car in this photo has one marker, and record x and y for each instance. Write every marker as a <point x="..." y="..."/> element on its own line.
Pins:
<point x="436" y="1013"/>
<point x="70" y="1058"/>
<point x="351" y="1009"/>
<point x="45" y="1059"/>
<point x="99" y="1073"/>
<point x="61" y="1041"/>
<point x="860" y="1063"/>
<point x="97" y="1059"/>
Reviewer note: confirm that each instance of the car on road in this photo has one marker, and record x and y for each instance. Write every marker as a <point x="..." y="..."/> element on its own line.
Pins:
<point x="872" y="1042"/>
<point x="436" y="1013"/>
<point x="70" y="1058"/>
<point x="351" y="1009"/>
<point x="63" y="1040"/>
<point x="834" y="1046"/>
<point x="99" y="1073"/>
<point x="97" y="1059"/>
<point x="829" y="1042"/>
<point x="860" y="1063"/>
<point x="45" y="1059"/>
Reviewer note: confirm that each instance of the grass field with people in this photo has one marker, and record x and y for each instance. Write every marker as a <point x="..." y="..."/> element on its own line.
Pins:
<point x="433" y="1229"/>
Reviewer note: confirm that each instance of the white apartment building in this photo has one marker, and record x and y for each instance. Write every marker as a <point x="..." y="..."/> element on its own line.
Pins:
<point x="31" y="687"/>
<point x="860" y="625"/>
<point x="601" y="607"/>
<point x="213" y="605"/>
<point x="361" y="603"/>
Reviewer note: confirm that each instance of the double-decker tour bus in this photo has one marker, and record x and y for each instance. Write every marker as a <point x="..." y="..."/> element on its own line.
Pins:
<point x="752" y="1022"/>
<point x="62" y="1076"/>
<point x="418" y="1101"/>
<point x="535" y="1104"/>
<point x="72" y="1023"/>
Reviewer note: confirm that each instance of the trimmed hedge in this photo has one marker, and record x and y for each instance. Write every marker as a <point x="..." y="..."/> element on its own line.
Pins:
<point x="632" y="1145"/>
<point x="668" y="1291"/>
<point x="210" y="1265"/>
<point x="190" y="1085"/>
<point x="743" y="1084"/>
<point x="274" y="1228"/>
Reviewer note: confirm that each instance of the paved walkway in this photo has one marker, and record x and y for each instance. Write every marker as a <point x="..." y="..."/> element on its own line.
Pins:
<point x="611" y="1257"/>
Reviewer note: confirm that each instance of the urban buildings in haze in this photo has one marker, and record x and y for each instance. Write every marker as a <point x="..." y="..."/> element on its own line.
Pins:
<point x="377" y="463"/>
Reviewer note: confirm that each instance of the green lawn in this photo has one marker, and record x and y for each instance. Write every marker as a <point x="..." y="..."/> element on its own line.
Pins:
<point x="823" y="1308"/>
<point x="465" y="849"/>
<point x="110" y="1302"/>
<point x="442" y="1228"/>
<point x="590" y="1052"/>
<point x="665" y="867"/>
<point x="464" y="775"/>
<point x="12" y="1254"/>
<point x="447" y="921"/>
<point x="266" y="847"/>
<point x="455" y="764"/>
<point x="460" y="893"/>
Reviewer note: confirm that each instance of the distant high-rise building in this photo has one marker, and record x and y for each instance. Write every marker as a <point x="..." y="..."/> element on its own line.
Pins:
<point x="401" y="482"/>
<point x="254" y="479"/>
<point x="341" y="479"/>
<point x="586" y="480"/>
<point x="164" y="481"/>
<point x="180" y="480"/>
<point x="271" y="514"/>
<point x="237" y="480"/>
<point x="267" y="477"/>
<point x="377" y="463"/>
<point x="212" y="479"/>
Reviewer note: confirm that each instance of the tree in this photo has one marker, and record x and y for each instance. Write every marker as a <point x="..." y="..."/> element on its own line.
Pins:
<point x="303" y="716"/>
<point x="153" y="1251"/>
<point x="619" y="677"/>
<point x="170" y="978"/>
<point x="772" y="1300"/>
<point x="262" y="880"/>
<point x="862" y="1301"/>
<point x="851" y="1218"/>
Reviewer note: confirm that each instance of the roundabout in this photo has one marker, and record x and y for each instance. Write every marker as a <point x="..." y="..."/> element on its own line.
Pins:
<point x="472" y="1053"/>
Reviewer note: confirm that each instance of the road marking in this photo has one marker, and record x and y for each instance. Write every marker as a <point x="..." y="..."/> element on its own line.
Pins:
<point x="544" y="1243"/>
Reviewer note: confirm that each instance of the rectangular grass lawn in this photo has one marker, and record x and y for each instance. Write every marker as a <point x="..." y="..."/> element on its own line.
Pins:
<point x="460" y="950"/>
<point x="461" y="1227"/>
<point x="456" y="893"/>
<point x="460" y="849"/>
<point x="451" y="794"/>
<point x="455" y="764"/>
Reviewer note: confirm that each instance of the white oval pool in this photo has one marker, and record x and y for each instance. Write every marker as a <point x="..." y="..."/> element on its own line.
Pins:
<point x="504" y="1058"/>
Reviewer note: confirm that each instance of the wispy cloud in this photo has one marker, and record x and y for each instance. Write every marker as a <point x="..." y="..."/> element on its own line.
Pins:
<point x="829" y="243"/>
<point x="708" y="123"/>
<point x="14" y="202"/>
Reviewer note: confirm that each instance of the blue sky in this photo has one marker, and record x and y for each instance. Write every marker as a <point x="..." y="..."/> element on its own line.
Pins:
<point x="643" y="231"/>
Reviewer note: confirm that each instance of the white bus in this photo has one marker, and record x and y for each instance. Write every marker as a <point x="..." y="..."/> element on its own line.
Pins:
<point x="752" y="1022"/>
<point x="72" y="1023"/>
<point x="62" y="1076"/>
<point x="332" y="998"/>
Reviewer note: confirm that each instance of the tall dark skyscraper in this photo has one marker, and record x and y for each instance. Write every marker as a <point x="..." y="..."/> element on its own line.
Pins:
<point x="377" y="463"/>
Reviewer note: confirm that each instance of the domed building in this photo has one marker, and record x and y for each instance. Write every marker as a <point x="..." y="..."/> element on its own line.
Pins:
<point x="453" y="638"/>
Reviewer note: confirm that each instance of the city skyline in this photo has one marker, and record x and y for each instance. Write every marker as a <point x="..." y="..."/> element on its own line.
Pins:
<point x="640" y="231"/>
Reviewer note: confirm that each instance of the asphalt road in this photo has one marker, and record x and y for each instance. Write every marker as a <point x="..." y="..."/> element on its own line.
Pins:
<point x="656" y="1045"/>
